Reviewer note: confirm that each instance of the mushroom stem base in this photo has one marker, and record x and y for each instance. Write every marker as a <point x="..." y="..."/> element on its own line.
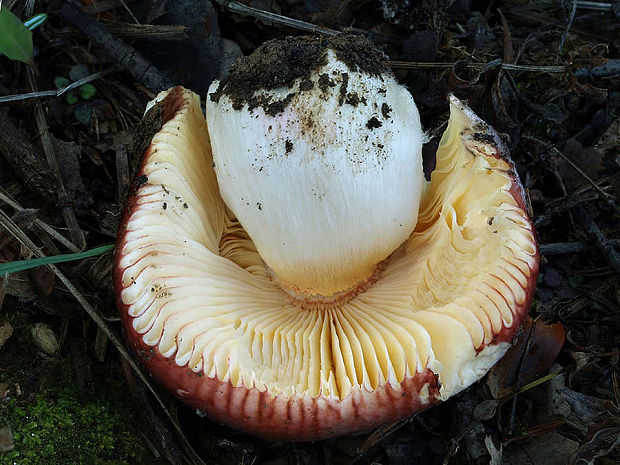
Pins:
<point x="318" y="301"/>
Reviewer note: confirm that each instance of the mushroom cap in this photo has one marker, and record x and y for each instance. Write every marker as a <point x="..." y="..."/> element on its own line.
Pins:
<point x="207" y="320"/>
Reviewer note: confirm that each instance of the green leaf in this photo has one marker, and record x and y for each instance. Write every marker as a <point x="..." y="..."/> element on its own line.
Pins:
<point x="61" y="82"/>
<point x="14" y="267"/>
<point x="15" y="38"/>
<point x="71" y="98"/>
<point x="87" y="91"/>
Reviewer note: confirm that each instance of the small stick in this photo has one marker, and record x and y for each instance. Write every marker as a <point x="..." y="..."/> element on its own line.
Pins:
<point x="240" y="8"/>
<point x="62" y="90"/>
<point x="129" y="11"/>
<point x="454" y="442"/>
<point x="571" y="17"/>
<point x="596" y="6"/>
<point x="508" y="51"/>
<point x="4" y="285"/>
<point x="25" y="159"/>
<point x="582" y="301"/>
<point x="541" y="19"/>
<point x="609" y="68"/>
<point x="605" y="195"/>
<point x="599" y="238"/>
<point x="25" y="220"/>
<point x="146" y="31"/>
<point x="537" y="382"/>
<point x="562" y="204"/>
<point x="67" y="210"/>
<point x="380" y="434"/>
<point x="7" y="199"/>
<point x="122" y="171"/>
<point x="504" y="66"/>
<point x="127" y="56"/>
<point x="560" y="248"/>
<point x="100" y="6"/>
<point x="547" y="164"/>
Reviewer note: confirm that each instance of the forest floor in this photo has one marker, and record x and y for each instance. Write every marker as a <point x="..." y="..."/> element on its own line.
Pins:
<point x="544" y="74"/>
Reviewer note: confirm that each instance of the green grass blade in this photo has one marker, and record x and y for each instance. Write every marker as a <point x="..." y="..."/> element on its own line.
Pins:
<point x="21" y="265"/>
<point x="35" y="21"/>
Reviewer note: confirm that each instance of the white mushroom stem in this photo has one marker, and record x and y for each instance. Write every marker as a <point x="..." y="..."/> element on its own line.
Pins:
<point x="330" y="186"/>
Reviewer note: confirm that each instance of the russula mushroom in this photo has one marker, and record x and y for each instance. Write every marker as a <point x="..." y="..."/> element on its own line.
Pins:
<point x="284" y="266"/>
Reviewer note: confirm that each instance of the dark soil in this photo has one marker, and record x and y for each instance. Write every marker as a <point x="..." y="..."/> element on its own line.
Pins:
<point x="279" y="63"/>
<point x="67" y="161"/>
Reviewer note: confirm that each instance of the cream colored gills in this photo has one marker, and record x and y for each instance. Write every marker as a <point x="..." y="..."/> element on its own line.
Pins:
<point x="222" y="315"/>
<point x="313" y="184"/>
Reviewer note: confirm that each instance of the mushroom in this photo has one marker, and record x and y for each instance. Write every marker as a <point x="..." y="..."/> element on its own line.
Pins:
<point x="285" y="267"/>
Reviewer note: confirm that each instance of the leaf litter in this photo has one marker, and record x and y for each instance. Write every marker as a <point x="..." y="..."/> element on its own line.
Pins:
<point x="553" y="400"/>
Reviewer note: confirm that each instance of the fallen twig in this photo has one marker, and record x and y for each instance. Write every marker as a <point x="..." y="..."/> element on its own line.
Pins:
<point x="454" y="442"/>
<point x="240" y="8"/>
<point x="508" y="51"/>
<point x="127" y="56"/>
<point x="146" y="31"/>
<point x="560" y="248"/>
<point x="527" y="387"/>
<point x="504" y="66"/>
<point x="595" y="6"/>
<point x="521" y="369"/>
<point x="62" y="90"/>
<point x="129" y="11"/>
<point x="379" y="435"/>
<point x="122" y="171"/>
<point x="65" y="204"/>
<point x="598" y="237"/>
<point x="6" y="198"/>
<point x="562" y="204"/>
<point x="100" y="6"/>
<point x="25" y="220"/>
<point x="609" y="199"/>
<point x="25" y="159"/>
<point x="530" y="16"/>
<point x="4" y="285"/>
<point x="569" y="23"/>
<point x="582" y="301"/>
<point x="610" y="68"/>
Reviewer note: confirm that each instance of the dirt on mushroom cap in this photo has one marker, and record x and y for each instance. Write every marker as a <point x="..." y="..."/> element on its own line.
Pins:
<point x="278" y="63"/>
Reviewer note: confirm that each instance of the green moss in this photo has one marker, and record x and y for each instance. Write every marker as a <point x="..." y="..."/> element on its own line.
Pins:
<point x="70" y="427"/>
<point x="55" y="422"/>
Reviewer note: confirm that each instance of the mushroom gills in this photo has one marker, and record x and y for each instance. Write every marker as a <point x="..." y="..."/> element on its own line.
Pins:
<point x="196" y="289"/>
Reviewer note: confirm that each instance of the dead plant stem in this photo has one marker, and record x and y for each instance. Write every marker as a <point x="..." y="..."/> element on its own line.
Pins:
<point x="66" y="208"/>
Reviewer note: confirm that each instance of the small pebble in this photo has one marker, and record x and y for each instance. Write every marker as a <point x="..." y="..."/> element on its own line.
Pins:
<point x="6" y="439"/>
<point x="45" y="339"/>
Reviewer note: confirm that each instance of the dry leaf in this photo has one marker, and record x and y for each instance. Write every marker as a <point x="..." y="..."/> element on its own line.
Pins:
<point x="529" y="359"/>
<point x="6" y="330"/>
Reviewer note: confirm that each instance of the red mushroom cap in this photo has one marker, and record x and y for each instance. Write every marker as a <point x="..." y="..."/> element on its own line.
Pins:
<point x="204" y="315"/>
